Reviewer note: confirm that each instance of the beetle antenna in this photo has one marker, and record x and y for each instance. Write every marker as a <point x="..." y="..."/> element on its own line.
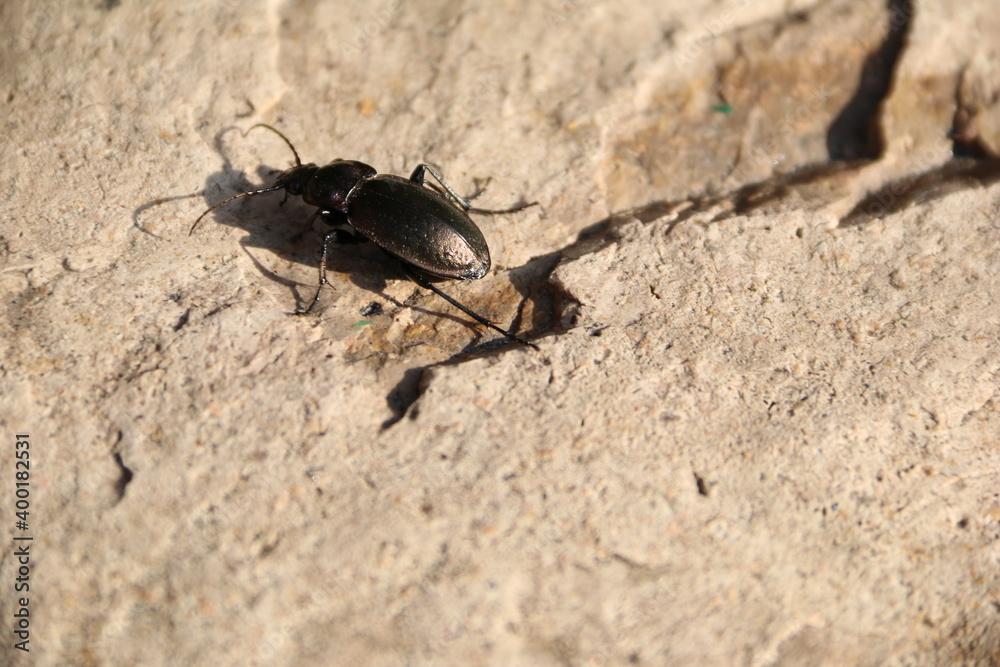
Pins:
<point x="298" y="162"/>
<point x="226" y="201"/>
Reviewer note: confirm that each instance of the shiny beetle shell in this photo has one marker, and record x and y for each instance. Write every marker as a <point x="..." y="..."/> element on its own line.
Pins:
<point x="418" y="226"/>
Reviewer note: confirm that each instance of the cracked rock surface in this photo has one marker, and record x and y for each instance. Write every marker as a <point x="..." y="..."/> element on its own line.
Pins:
<point x="761" y="427"/>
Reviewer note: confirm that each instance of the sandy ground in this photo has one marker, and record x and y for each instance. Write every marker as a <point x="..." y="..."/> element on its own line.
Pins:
<point x="762" y="422"/>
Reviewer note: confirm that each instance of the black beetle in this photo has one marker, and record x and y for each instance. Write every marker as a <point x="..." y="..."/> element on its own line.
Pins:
<point x="427" y="228"/>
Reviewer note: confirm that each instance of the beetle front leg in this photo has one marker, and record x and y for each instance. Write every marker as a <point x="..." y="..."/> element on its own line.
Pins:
<point x="338" y="236"/>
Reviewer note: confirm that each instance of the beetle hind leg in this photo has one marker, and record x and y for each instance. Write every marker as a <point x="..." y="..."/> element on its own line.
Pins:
<point x="416" y="277"/>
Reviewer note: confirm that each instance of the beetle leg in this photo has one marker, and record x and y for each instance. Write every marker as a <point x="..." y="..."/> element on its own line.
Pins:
<point x="423" y="282"/>
<point x="480" y="189"/>
<point x="515" y="209"/>
<point x="418" y="178"/>
<point x="338" y="236"/>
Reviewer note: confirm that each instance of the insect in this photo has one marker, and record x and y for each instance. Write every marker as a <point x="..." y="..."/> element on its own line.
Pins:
<point x="426" y="227"/>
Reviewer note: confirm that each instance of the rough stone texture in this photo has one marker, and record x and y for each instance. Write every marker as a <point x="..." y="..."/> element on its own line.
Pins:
<point x="763" y="424"/>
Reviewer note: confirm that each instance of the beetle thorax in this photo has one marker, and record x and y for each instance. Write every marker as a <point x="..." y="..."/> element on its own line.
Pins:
<point x="330" y="185"/>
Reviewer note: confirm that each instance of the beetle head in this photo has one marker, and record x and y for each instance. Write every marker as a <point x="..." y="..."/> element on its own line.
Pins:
<point x="295" y="179"/>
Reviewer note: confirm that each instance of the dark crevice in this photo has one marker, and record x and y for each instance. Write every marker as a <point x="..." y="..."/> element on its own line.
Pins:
<point x="701" y="484"/>
<point x="182" y="320"/>
<point x="965" y="146"/>
<point x="548" y="303"/>
<point x="855" y="133"/>
<point x="405" y="394"/>
<point x="124" y="478"/>
<point x="403" y="397"/>
<point x="966" y="141"/>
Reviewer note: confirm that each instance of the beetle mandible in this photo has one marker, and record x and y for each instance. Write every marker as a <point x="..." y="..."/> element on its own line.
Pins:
<point x="426" y="227"/>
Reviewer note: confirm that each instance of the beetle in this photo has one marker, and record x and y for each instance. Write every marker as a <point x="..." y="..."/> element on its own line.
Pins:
<point x="426" y="227"/>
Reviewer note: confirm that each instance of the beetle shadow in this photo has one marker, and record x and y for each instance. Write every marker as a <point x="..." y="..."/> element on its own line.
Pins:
<point x="137" y="213"/>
